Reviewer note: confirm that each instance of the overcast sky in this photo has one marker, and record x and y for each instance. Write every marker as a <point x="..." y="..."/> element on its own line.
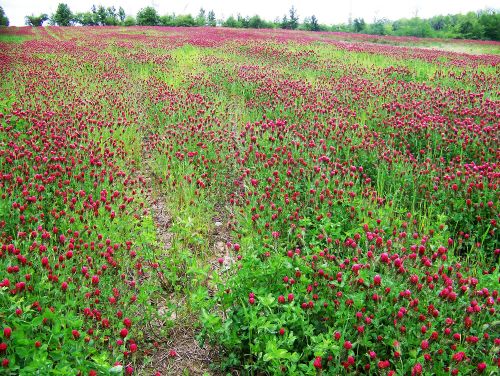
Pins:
<point x="327" y="11"/>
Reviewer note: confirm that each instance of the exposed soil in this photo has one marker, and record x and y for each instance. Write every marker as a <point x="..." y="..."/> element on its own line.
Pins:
<point x="178" y="352"/>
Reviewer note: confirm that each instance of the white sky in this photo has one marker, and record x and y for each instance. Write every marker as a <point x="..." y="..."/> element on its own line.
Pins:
<point x="327" y="11"/>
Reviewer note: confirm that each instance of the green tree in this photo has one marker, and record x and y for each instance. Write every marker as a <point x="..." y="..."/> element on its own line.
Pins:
<point x="201" y="19"/>
<point x="256" y="22"/>
<point x="84" y="19"/>
<point x="243" y="21"/>
<point x="437" y="23"/>
<point x="36" y="20"/>
<point x="4" y="21"/>
<point x="129" y="21"/>
<point x="111" y="12"/>
<point x="63" y="15"/>
<point x="490" y="21"/>
<point x="471" y="30"/>
<point x="469" y="26"/>
<point x="111" y="18"/>
<point x="314" y="25"/>
<point x="148" y="17"/>
<point x="101" y="15"/>
<point x="231" y="22"/>
<point x="167" y="20"/>
<point x="211" y="21"/>
<point x="378" y="27"/>
<point x="121" y="14"/>
<point x="293" y="23"/>
<point x="359" y="25"/>
<point x="185" y="20"/>
<point x="285" y="24"/>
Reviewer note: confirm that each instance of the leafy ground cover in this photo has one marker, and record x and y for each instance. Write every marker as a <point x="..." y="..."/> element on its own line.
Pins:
<point x="332" y="203"/>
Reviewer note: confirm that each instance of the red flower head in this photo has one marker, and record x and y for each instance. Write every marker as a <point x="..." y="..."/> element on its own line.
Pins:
<point x="317" y="362"/>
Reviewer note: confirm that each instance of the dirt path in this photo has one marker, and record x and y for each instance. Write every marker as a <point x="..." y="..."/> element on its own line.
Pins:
<point x="178" y="351"/>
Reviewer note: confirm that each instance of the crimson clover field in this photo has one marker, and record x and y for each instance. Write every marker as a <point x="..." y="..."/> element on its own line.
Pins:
<point x="297" y="203"/>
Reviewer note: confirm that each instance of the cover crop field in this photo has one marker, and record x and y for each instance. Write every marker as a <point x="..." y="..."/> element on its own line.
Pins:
<point x="257" y="202"/>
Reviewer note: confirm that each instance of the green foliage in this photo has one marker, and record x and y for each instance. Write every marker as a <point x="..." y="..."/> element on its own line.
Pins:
<point x="416" y="27"/>
<point x="311" y="24"/>
<point x="291" y="21"/>
<point x="211" y="21"/>
<point x="100" y="16"/>
<point x="129" y="21"/>
<point x="255" y="22"/>
<point x="4" y="21"/>
<point x="36" y="20"/>
<point x="9" y="38"/>
<point x="359" y="24"/>
<point x="490" y="22"/>
<point x="63" y="15"/>
<point x="483" y="24"/>
<point x="243" y="21"/>
<point x="121" y="14"/>
<point x="148" y="17"/>
<point x="185" y="20"/>
<point x="201" y="19"/>
<point x="231" y="22"/>
<point x="284" y="22"/>
<point x="470" y="27"/>
<point x="480" y="25"/>
<point x="84" y="19"/>
<point x="167" y="20"/>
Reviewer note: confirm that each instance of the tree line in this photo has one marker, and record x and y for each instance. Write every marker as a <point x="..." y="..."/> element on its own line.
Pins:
<point x="484" y="24"/>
